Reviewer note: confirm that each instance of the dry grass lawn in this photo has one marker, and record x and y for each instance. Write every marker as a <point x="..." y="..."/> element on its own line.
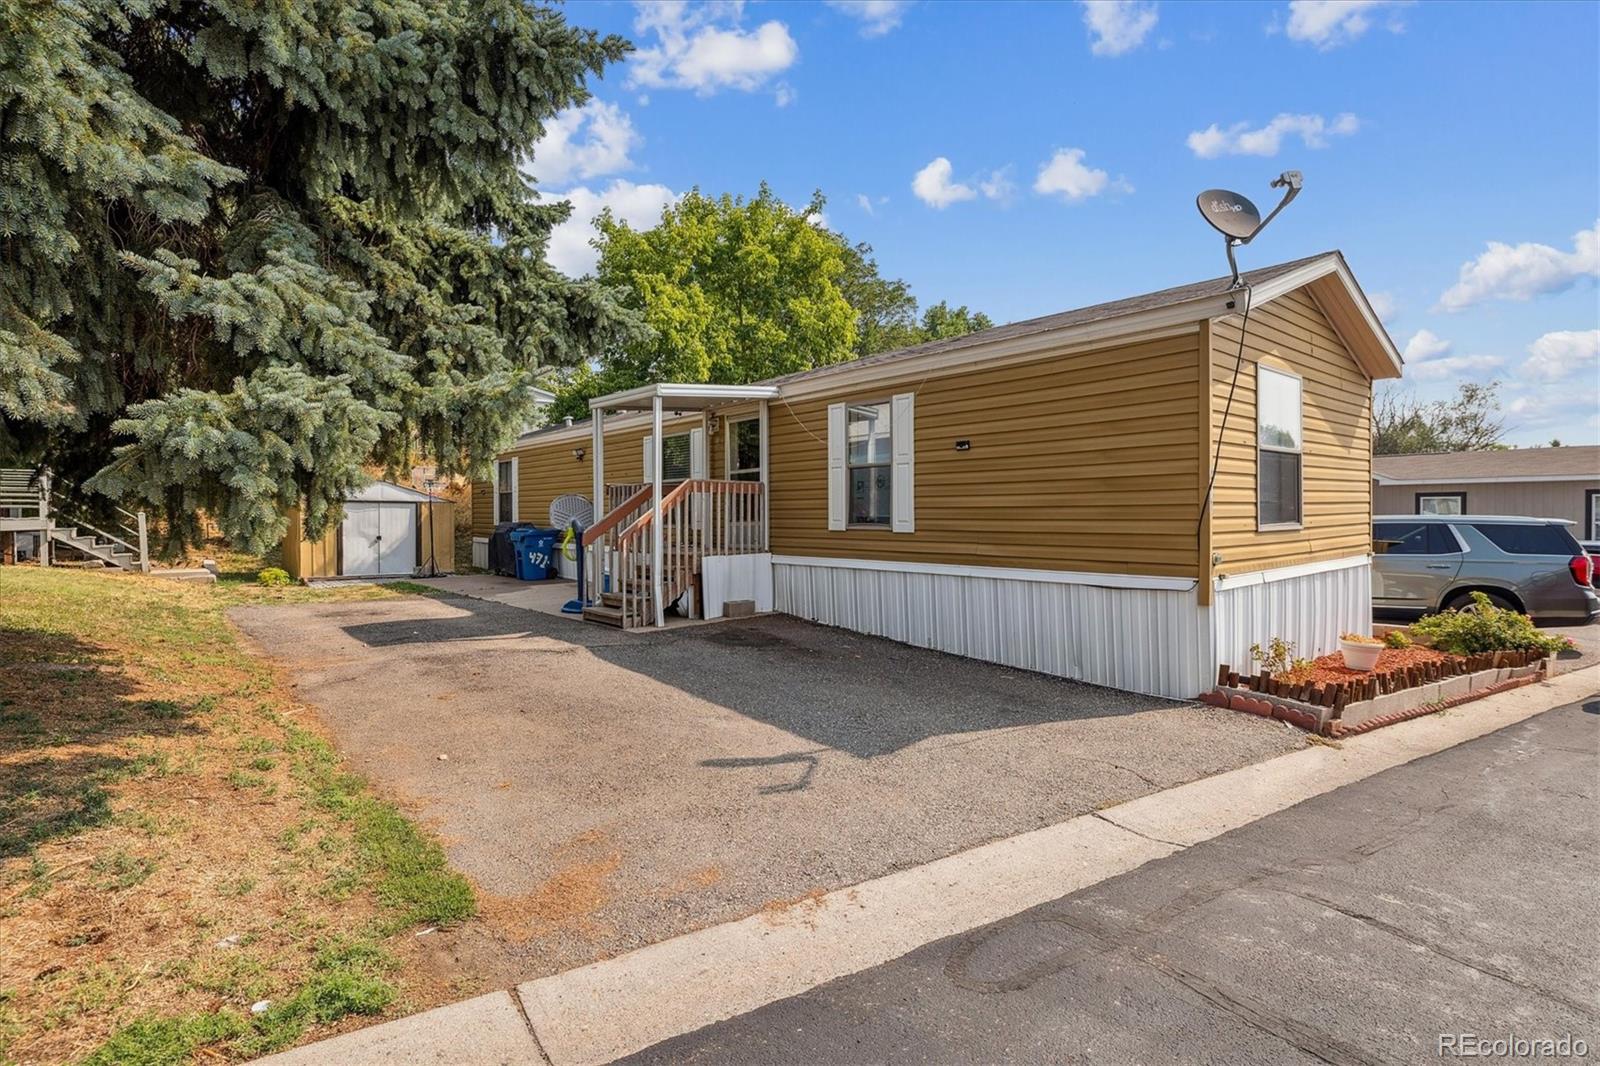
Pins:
<point x="185" y="867"/>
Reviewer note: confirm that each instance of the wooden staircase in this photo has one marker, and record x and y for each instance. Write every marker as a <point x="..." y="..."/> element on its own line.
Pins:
<point x="698" y="518"/>
<point x="29" y="504"/>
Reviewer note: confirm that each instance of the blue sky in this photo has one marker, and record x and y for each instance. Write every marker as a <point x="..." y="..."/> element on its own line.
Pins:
<point x="1030" y="158"/>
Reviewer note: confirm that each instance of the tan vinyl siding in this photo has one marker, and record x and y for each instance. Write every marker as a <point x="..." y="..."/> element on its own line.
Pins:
<point x="1080" y="462"/>
<point x="1336" y="455"/>
<point x="547" y="469"/>
<point x="1536" y="499"/>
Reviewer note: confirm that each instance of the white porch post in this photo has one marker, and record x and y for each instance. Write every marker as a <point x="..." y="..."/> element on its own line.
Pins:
<point x="766" y="492"/>
<point x="656" y="557"/>
<point x="597" y="452"/>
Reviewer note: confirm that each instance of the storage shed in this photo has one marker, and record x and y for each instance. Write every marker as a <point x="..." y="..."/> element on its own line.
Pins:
<point x="388" y="530"/>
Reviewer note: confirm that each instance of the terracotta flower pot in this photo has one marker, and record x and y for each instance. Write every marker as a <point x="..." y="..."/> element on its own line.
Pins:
<point x="1358" y="656"/>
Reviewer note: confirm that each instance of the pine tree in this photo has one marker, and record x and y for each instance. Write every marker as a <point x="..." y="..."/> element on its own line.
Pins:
<point x="247" y="248"/>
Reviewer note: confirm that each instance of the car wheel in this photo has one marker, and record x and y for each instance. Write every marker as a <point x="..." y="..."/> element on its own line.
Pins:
<point x="1463" y="602"/>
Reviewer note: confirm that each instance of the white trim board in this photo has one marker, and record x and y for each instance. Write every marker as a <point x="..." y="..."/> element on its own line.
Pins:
<point x="1286" y="573"/>
<point x="1446" y="482"/>
<point x="1002" y="573"/>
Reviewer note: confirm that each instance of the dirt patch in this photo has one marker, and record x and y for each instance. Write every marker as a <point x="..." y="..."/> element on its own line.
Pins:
<point x="568" y="899"/>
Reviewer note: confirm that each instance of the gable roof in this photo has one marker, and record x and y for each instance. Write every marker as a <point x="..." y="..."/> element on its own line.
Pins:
<point x="1580" y="463"/>
<point x="1327" y="274"/>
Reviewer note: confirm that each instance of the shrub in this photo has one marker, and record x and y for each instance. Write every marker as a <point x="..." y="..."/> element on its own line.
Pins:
<point x="272" y="577"/>
<point x="1483" y="627"/>
<point x="1397" y="639"/>
<point x="1277" y="658"/>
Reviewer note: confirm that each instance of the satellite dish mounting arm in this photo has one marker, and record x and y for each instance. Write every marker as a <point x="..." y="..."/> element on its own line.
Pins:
<point x="1289" y="179"/>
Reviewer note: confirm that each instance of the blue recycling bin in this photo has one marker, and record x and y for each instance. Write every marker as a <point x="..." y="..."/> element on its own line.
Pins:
<point x="535" y="548"/>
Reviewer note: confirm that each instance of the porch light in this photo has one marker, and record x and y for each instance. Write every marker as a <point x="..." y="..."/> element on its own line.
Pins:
<point x="577" y="453"/>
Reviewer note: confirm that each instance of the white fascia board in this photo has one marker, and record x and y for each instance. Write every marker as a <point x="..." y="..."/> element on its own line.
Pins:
<point x="1268" y="291"/>
<point x="1129" y="329"/>
<point x="702" y="395"/>
<point x="1285" y="573"/>
<point x="1444" y="483"/>
<point x="1000" y="573"/>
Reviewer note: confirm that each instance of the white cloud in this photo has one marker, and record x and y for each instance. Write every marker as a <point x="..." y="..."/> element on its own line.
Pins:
<point x="1240" y="139"/>
<point x="640" y="206"/>
<point x="864" y="202"/>
<point x="933" y="186"/>
<point x="784" y="95"/>
<point x="703" y="47"/>
<point x="1066" y="175"/>
<point x="998" y="185"/>
<point x="1424" y="344"/>
<point x="1117" y="27"/>
<point x="1384" y="305"/>
<point x="583" y="142"/>
<point x="877" y="17"/>
<point x="1452" y="366"/>
<point x="1523" y="271"/>
<point x="1563" y="353"/>
<point x="1331" y="23"/>
<point x="1428" y="358"/>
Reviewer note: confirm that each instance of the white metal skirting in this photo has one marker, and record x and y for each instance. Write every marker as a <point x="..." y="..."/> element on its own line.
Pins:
<point x="1309" y="609"/>
<point x="480" y="552"/>
<point x="1140" y="639"/>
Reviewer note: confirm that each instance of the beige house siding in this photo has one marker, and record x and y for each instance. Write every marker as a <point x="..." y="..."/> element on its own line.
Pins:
<point x="1336" y="461"/>
<point x="547" y="468"/>
<point x="1536" y="499"/>
<point x="1082" y="461"/>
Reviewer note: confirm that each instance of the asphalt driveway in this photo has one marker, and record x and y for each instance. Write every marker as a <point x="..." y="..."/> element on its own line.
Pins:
<point x="607" y="790"/>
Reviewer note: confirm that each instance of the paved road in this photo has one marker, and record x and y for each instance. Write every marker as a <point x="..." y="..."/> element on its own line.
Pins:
<point x="1453" y="894"/>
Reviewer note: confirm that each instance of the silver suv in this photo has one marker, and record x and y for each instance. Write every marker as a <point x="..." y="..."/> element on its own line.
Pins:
<point x="1425" y="562"/>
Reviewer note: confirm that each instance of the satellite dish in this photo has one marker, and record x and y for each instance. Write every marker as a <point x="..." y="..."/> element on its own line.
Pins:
<point x="564" y="510"/>
<point x="1237" y="219"/>
<point x="1231" y="214"/>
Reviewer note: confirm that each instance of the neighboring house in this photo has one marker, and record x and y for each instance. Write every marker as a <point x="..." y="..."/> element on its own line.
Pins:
<point x="1536" y="482"/>
<point x="1028" y="495"/>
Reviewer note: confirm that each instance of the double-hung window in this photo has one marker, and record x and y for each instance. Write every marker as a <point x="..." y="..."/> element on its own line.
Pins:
<point x="676" y="463"/>
<point x="1441" y="503"/>
<point x="1278" y="449"/>
<point x="744" y="450"/>
<point x="505" y="486"/>
<point x="869" y="463"/>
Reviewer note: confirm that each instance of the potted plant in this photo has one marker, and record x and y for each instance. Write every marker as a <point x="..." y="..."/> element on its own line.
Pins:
<point x="1360" y="651"/>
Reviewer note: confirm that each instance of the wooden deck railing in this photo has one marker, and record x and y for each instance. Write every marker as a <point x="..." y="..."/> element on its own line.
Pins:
<point x="699" y="518"/>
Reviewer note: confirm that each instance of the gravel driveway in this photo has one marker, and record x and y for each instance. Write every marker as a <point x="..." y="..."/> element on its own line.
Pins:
<point x="606" y="790"/>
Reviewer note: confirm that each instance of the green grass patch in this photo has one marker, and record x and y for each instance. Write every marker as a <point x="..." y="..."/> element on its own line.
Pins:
<point x="412" y="879"/>
<point x="152" y="1041"/>
<point x="119" y="870"/>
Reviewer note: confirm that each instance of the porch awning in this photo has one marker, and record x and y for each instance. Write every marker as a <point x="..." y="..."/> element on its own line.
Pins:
<point x="681" y="396"/>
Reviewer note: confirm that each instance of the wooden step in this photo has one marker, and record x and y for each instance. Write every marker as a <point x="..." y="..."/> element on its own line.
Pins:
<point x="606" y="616"/>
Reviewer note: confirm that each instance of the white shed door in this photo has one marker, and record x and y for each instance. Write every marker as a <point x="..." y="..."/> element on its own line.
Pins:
<point x="379" y="538"/>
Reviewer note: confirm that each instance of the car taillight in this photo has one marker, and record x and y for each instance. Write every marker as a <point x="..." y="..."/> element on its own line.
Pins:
<point x="1582" y="568"/>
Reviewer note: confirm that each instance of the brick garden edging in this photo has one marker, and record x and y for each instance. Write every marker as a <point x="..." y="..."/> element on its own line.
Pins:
<point x="1381" y="699"/>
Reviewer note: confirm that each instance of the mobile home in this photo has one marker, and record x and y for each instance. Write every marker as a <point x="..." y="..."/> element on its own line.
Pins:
<point x="1126" y="494"/>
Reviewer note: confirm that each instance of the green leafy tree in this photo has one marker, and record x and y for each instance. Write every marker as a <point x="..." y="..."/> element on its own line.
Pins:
<point x="942" y="322"/>
<point x="1468" y="421"/>
<point x="248" y="249"/>
<point x="886" y="312"/>
<point x="733" y="290"/>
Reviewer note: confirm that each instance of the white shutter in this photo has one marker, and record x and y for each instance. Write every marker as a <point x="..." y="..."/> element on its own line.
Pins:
<point x="836" y="470"/>
<point x="649" y="459"/>
<point x="697" y="454"/>
<point x="903" y="449"/>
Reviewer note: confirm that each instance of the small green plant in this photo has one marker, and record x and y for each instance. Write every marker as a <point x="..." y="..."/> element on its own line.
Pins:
<point x="273" y="577"/>
<point x="1278" y="658"/>
<point x="1483" y="627"/>
<point x="1396" y="639"/>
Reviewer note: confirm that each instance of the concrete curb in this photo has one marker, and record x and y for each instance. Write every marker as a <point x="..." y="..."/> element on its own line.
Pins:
<point x="600" y="1012"/>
